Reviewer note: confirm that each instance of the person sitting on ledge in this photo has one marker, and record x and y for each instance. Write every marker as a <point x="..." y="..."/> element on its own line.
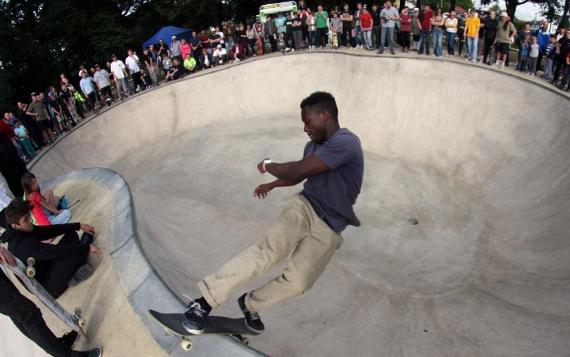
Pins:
<point x="47" y="209"/>
<point x="58" y="266"/>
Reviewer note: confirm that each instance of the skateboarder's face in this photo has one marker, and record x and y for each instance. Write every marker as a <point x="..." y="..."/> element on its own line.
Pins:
<point x="315" y="124"/>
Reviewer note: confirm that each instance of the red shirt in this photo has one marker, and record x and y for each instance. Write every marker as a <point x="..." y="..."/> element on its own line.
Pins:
<point x="405" y="23"/>
<point x="426" y="20"/>
<point x="38" y="210"/>
<point x="366" y="21"/>
<point x="7" y="129"/>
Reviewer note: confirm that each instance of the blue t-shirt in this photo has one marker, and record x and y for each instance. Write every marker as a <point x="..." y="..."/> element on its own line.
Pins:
<point x="333" y="193"/>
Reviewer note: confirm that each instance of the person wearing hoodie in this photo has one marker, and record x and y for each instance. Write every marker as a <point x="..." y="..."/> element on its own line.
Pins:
<point x="58" y="266"/>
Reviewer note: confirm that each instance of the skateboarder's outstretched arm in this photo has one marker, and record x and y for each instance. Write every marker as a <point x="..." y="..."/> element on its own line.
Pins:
<point x="295" y="171"/>
<point x="262" y="190"/>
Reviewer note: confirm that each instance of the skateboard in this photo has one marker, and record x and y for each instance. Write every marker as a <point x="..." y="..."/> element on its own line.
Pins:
<point x="25" y="273"/>
<point x="334" y="39"/>
<point x="214" y="325"/>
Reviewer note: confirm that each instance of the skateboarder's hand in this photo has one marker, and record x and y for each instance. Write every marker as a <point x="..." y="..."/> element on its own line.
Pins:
<point x="6" y="257"/>
<point x="262" y="190"/>
<point x="260" y="167"/>
<point x="95" y="250"/>
<point x="87" y="228"/>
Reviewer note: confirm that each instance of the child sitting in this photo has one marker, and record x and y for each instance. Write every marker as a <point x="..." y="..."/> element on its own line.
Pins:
<point x="237" y="52"/>
<point x="24" y="138"/>
<point x="176" y="71"/>
<point x="190" y="63"/>
<point x="166" y="64"/>
<point x="220" y="55"/>
<point x="48" y="209"/>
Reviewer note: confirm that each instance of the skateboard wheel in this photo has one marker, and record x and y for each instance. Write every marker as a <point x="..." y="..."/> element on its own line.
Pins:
<point x="81" y="323"/>
<point x="31" y="272"/>
<point x="31" y="261"/>
<point x="245" y="340"/>
<point x="186" y="345"/>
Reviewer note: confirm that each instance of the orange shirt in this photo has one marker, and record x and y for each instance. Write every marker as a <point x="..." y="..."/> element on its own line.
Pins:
<point x="472" y="25"/>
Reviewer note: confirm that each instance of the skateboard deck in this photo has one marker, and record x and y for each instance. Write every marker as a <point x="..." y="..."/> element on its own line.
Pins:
<point x="25" y="275"/>
<point x="216" y="325"/>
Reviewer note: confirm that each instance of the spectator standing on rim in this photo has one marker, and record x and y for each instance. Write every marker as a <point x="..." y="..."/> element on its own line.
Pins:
<point x="101" y="77"/>
<point x="505" y="36"/>
<point x="118" y="70"/>
<point x="357" y="28"/>
<point x="450" y="32"/>
<point x="38" y="111"/>
<point x="437" y="29"/>
<point x="490" y="26"/>
<point x="377" y="26"/>
<point x="425" y="30"/>
<point x="269" y="29"/>
<point x="543" y="36"/>
<point x="87" y="85"/>
<point x="472" y="34"/>
<point x="366" y="24"/>
<point x="346" y="18"/>
<point x="174" y="47"/>
<point x="322" y="21"/>
<point x="416" y="26"/>
<point x="389" y="16"/>
<point x="134" y="69"/>
<point x="405" y="28"/>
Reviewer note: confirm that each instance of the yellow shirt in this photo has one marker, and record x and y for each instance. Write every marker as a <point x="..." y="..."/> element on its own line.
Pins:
<point x="472" y="25"/>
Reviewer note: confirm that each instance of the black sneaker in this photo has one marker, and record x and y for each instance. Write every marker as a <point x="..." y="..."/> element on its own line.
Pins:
<point x="69" y="339"/>
<point x="252" y="319"/>
<point x="83" y="273"/>
<point x="193" y="320"/>
<point x="94" y="352"/>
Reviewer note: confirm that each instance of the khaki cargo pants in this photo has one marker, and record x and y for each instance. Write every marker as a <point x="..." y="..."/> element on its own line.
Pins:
<point x="298" y="231"/>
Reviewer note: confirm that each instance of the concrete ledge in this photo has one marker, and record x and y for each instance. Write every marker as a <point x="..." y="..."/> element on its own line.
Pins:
<point x="142" y="285"/>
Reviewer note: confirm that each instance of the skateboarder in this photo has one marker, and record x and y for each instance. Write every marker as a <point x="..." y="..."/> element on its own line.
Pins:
<point x="309" y="227"/>
<point x="28" y="319"/>
<point x="57" y="265"/>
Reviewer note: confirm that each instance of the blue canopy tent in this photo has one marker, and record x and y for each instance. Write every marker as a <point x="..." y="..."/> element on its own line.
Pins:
<point x="166" y="33"/>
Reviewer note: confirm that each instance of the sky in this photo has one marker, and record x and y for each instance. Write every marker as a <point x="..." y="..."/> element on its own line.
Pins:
<point x="525" y="12"/>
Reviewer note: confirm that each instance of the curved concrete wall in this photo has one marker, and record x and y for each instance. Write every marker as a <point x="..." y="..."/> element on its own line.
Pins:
<point x="479" y="157"/>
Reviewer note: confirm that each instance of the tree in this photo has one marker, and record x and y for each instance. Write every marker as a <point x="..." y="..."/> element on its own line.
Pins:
<point x="564" y="21"/>
<point x="511" y="5"/>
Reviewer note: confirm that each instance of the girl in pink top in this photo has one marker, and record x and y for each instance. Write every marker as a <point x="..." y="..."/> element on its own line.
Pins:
<point x="48" y="209"/>
<point x="185" y="49"/>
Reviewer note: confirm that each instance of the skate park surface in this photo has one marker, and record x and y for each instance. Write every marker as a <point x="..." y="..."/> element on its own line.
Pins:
<point x="477" y="158"/>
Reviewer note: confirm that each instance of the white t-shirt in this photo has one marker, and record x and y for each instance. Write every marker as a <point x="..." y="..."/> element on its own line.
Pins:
<point x="451" y="25"/>
<point x="219" y="52"/>
<point x="118" y="67"/>
<point x="132" y="64"/>
<point x="102" y="78"/>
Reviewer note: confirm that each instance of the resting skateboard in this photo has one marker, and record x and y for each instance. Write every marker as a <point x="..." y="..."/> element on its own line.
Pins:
<point x="215" y="325"/>
<point x="25" y="275"/>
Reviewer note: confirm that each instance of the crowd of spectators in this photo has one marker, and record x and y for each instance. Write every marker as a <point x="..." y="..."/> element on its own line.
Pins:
<point x="483" y="38"/>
